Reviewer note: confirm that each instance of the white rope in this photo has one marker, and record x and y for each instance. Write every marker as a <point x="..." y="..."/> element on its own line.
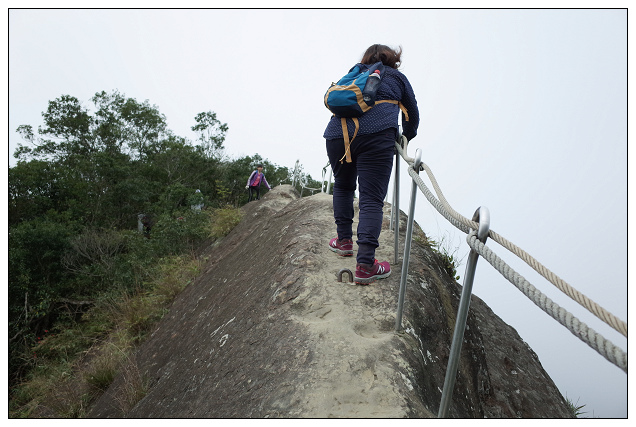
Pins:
<point x="588" y="335"/>
<point x="464" y="224"/>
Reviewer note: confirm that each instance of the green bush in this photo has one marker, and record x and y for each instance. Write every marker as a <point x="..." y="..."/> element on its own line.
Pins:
<point x="223" y="220"/>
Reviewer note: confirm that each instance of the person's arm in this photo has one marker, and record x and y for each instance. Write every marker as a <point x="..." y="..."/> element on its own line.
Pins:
<point x="249" y="179"/>
<point x="409" y="128"/>
<point x="266" y="183"/>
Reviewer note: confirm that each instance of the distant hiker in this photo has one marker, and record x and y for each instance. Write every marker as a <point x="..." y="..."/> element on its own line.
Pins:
<point x="196" y="201"/>
<point x="145" y="224"/>
<point x="369" y="160"/>
<point x="254" y="183"/>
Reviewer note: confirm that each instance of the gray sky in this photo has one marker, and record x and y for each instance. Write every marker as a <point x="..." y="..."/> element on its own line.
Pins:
<point x="522" y="111"/>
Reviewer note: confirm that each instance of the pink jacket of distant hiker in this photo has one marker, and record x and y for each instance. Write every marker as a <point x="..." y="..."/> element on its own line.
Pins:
<point x="253" y="180"/>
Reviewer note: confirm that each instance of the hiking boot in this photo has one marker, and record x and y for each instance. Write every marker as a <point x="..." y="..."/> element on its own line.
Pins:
<point x="366" y="273"/>
<point x="342" y="247"/>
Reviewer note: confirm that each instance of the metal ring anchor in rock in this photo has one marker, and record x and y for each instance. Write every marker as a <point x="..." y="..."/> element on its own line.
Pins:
<point x="345" y="270"/>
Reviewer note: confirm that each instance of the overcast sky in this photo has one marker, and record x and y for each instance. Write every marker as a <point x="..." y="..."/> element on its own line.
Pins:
<point x="522" y="111"/>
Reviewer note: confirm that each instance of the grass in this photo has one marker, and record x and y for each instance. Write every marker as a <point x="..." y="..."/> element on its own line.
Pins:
<point x="79" y="359"/>
<point x="448" y="252"/>
<point x="101" y="373"/>
<point x="77" y="363"/>
<point x="223" y="220"/>
<point x="445" y="249"/>
<point x="575" y="408"/>
<point x="135" y="386"/>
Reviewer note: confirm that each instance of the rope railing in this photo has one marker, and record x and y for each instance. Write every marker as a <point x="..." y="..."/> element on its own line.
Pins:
<point x="464" y="224"/>
<point x="579" y="329"/>
<point x="478" y="231"/>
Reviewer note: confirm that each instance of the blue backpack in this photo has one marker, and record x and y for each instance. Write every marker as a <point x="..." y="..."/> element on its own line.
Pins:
<point x="346" y="99"/>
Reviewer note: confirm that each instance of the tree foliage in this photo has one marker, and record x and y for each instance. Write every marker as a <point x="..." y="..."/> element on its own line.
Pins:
<point x="211" y="133"/>
<point x="77" y="190"/>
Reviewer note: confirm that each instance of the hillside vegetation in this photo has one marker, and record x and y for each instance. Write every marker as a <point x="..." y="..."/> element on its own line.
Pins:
<point x="79" y="267"/>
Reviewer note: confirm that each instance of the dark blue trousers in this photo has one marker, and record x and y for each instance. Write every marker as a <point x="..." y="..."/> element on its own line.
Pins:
<point x="372" y="162"/>
<point x="257" y="190"/>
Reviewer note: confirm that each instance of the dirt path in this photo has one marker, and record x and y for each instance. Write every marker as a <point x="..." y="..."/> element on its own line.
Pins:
<point x="352" y="328"/>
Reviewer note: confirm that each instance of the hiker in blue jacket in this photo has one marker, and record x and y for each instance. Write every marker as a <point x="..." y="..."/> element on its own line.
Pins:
<point x="369" y="161"/>
<point x="254" y="182"/>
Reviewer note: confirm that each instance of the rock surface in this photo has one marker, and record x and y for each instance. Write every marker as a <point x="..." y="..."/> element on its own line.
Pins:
<point x="268" y="331"/>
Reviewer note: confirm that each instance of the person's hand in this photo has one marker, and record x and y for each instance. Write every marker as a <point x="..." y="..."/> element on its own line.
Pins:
<point x="247" y="186"/>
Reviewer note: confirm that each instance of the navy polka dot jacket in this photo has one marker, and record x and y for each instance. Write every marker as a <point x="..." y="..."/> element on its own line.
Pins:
<point x="395" y="86"/>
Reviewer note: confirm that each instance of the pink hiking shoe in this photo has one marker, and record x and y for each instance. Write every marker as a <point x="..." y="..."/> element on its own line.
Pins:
<point x="366" y="273"/>
<point x="342" y="247"/>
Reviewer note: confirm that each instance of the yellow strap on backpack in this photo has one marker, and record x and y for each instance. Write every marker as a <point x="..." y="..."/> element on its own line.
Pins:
<point x="345" y="134"/>
<point x="345" y="131"/>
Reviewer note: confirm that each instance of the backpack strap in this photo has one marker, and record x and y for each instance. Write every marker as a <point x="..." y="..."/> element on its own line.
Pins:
<point x="345" y="131"/>
<point x="345" y="134"/>
<point x="402" y="107"/>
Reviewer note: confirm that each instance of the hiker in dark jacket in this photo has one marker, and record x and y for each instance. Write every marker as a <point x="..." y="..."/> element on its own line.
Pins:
<point x="254" y="183"/>
<point x="371" y="154"/>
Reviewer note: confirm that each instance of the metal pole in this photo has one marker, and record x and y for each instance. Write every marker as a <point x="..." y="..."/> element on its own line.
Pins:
<point x="396" y="249"/>
<point x="393" y="201"/>
<point x="407" y="245"/>
<point x="323" y="184"/>
<point x="482" y="215"/>
<point x="324" y="188"/>
<point x="392" y="207"/>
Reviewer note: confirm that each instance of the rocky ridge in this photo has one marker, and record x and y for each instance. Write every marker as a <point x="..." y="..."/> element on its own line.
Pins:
<point x="267" y="331"/>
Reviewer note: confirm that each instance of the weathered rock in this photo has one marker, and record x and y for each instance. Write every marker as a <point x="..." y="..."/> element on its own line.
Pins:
<point x="268" y="331"/>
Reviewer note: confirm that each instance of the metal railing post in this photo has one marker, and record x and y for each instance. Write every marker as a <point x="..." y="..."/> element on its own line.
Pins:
<point x="323" y="184"/>
<point x="326" y="185"/>
<point x="330" y="176"/>
<point x="407" y="244"/>
<point x="482" y="215"/>
<point x="396" y="197"/>
<point x="392" y="221"/>
<point x="392" y="208"/>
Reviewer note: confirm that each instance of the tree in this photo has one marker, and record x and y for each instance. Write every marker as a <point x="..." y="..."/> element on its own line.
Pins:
<point x="211" y="133"/>
<point x="33" y="190"/>
<point x="36" y="278"/>
<point x="120" y="125"/>
<point x="66" y="132"/>
<point x="135" y="128"/>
